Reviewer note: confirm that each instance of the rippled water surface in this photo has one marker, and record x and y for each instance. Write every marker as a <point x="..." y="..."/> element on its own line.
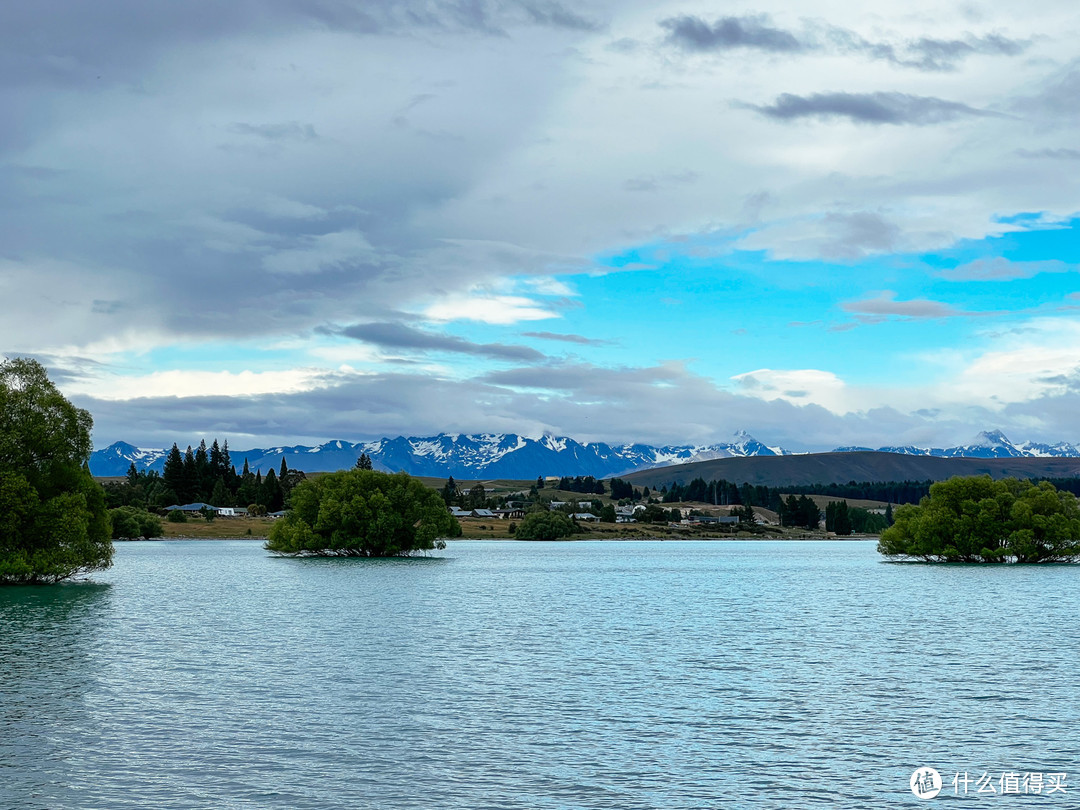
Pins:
<point x="533" y="675"/>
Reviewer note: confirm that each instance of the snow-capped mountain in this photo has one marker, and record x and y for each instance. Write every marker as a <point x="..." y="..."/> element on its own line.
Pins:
<point x="484" y="455"/>
<point x="988" y="444"/>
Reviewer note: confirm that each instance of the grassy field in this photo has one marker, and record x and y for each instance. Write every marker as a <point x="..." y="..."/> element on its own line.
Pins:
<point x="219" y="528"/>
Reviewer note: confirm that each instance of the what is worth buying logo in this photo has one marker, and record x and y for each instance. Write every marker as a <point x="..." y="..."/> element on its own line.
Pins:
<point x="926" y="783"/>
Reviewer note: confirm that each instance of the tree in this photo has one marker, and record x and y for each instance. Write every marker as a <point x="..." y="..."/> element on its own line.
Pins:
<point x="130" y="523"/>
<point x="449" y="491"/>
<point x="221" y="495"/>
<point x="173" y="471"/>
<point x="53" y="519"/>
<point x="653" y="514"/>
<point x="545" y="525"/>
<point x="837" y="518"/>
<point x="477" y="497"/>
<point x="362" y="513"/>
<point x="981" y="520"/>
<point x="271" y="494"/>
<point x="364" y="462"/>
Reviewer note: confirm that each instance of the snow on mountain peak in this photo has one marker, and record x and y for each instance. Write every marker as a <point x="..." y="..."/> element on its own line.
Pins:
<point x="990" y="438"/>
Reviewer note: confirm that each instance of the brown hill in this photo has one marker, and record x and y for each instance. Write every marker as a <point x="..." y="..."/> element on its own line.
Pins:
<point x="839" y="468"/>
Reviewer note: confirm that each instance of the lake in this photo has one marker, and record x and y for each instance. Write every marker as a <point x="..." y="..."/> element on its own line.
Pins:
<point x="504" y="675"/>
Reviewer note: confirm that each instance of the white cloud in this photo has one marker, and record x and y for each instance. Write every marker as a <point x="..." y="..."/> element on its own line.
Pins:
<point x="493" y="309"/>
<point x="189" y="383"/>
<point x="798" y="386"/>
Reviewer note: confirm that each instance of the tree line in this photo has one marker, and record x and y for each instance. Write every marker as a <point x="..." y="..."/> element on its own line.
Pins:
<point x="204" y="475"/>
<point x="727" y="493"/>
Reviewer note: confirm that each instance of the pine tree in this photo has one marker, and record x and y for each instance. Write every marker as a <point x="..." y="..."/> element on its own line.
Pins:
<point x="270" y="494"/>
<point x="364" y="462"/>
<point x="204" y="476"/>
<point x="284" y="469"/>
<point x="190" y="479"/>
<point x="173" y="472"/>
<point x="221" y="495"/>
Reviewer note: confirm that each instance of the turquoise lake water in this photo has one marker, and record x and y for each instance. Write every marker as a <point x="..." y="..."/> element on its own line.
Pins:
<point x="535" y="675"/>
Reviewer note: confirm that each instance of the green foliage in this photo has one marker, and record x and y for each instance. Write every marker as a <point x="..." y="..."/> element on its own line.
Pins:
<point x="176" y="516"/>
<point x="546" y="525"/>
<point x="364" y="462"/>
<point x="863" y="521"/>
<point x="53" y="520"/>
<point x="476" y="497"/>
<point x="653" y="514"/>
<point x="129" y="523"/>
<point x="362" y="513"/>
<point x="607" y="514"/>
<point x="981" y="520"/>
<point x="801" y="511"/>
<point x="837" y="518"/>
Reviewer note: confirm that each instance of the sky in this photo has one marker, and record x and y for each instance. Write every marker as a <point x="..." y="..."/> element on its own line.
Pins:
<point x="826" y="223"/>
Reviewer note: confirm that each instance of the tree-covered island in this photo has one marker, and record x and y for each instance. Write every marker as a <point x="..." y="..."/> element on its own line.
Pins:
<point x="362" y="513"/>
<point x="981" y="520"/>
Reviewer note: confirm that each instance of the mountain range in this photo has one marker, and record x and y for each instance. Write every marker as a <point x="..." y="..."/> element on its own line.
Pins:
<point x="508" y="455"/>
<point x="485" y="455"/>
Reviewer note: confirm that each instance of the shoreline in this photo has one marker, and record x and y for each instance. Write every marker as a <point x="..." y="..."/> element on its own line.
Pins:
<point x="624" y="539"/>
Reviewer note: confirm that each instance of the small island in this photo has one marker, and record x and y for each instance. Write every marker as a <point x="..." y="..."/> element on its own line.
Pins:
<point x="979" y="520"/>
<point x="362" y="513"/>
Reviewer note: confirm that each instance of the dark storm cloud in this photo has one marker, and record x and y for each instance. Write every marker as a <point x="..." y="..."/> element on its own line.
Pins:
<point x="400" y="336"/>
<point x="869" y="108"/>
<point x="727" y="33"/>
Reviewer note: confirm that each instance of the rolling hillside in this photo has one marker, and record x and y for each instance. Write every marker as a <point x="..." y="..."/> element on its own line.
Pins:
<point x="839" y="468"/>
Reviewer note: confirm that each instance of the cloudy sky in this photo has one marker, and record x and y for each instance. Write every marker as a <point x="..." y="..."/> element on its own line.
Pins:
<point x="300" y="220"/>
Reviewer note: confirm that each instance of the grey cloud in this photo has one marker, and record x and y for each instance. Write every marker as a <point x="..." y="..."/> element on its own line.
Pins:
<point x="1050" y="154"/>
<point x="694" y="34"/>
<point x="885" y="306"/>
<point x="931" y="54"/>
<point x="857" y="234"/>
<point x="62" y="369"/>
<point x="652" y="182"/>
<point x="578" y="339"/>
<point x="557" y="15"/>
<point x="588" y="402"/>
<point x="72" y="42"/>
<point x="869" y="108"/>
<point x="290" y="131"/>
<point x="400" y="336"/>
<point x="1058" y="98"/>
<point x="998" y="268"/>
<point x="926" y="53"/>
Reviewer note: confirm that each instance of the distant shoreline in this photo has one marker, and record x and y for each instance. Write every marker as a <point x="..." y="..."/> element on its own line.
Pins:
<point x="619" y="539"/>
